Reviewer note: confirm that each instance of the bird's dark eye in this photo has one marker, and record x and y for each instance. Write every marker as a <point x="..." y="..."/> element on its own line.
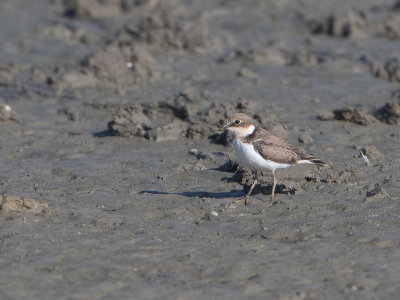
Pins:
<point x="237" y="122"/>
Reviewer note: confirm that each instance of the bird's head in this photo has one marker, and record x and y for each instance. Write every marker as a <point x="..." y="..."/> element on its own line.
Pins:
<point x="241" y="124"/>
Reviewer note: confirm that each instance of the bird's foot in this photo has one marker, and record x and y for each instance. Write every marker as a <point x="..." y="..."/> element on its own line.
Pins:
<point x="273" y="201"/>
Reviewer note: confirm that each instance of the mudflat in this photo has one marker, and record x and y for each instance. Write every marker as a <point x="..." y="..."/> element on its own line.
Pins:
<point x="117" y="181"/>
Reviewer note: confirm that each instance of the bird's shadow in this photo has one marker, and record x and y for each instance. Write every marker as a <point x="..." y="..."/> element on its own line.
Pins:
<point x="201" y="194"/>
<point x="258" y="189"/>
<point x="102" y="134"/>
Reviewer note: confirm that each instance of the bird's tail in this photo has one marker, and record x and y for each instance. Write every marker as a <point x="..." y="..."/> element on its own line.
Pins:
<point x="310" y="159"/>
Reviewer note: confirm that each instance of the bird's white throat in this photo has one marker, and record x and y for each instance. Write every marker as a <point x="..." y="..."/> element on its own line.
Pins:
<point x="243" y="131"/>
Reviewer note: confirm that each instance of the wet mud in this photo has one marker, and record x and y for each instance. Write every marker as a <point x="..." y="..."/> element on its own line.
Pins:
<point x="119" y="182"/>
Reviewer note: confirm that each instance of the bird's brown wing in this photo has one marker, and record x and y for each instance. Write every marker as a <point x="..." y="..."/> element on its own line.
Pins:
<point x="277" y="153"/>
<point x="265" y="135"/>
<point x="273" y="139"/>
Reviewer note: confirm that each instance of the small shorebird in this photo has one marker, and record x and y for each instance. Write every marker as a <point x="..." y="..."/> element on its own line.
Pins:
<point x="259" y="150"/>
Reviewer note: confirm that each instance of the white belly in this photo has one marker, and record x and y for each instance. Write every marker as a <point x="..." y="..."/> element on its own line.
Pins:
<point x="248" y="157"/>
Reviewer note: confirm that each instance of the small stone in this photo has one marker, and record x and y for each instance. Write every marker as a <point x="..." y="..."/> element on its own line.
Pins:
<point x="6" y="113"/>
<point x="214" y="213"/>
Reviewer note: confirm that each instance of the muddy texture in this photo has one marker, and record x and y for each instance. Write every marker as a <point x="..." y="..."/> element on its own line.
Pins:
<point x="118" y="182"/>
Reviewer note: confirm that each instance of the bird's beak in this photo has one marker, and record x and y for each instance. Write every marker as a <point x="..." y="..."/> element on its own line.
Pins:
<point x="227" y="125"/>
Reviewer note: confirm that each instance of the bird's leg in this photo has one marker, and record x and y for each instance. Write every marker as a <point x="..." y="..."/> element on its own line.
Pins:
<point x="251" y="188"/>
<point x="273" y="187"/>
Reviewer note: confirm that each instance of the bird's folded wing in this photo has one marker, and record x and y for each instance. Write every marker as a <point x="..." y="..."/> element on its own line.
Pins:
<point x="267" y="137"/>
<point x="277" y="153"/>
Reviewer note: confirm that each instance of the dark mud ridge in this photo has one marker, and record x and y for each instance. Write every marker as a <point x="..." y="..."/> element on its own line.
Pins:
<point x="389" y="114"/>
<point x="185" y="116"/>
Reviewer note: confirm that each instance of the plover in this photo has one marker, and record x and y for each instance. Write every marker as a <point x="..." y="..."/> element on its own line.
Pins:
<point x="259" y="150"/>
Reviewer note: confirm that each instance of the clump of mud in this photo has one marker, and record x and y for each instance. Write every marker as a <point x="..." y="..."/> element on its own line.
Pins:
<point x="389" y="113"/>
<point x="377" y="192"/>
<point x="187" y="115"/>
<point x="388" y="70"/>
<point x="372" y="153"/>
<point x="337" y="26"/>
<point x="346" y="176"/>
<point x="10" y="203"/>
<point x="169" y="26"/>
<point x="119" y="63"/>
<point x="354" y="115"/>
<point x="124" y="124"/>
<point x="305" y="137"/>
<point x="378" y="21"/>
